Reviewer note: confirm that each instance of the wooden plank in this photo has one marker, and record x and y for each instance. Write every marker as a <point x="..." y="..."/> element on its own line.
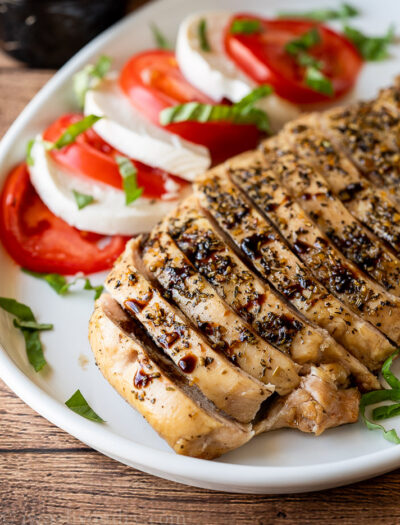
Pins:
<point x="84" y="488"/>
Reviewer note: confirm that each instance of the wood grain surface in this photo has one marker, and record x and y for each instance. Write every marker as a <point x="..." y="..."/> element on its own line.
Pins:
<point x="47" y="477"/>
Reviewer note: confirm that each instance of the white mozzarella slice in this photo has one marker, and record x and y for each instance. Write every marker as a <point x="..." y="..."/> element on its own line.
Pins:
<point x="215" y="74"/>
<point x="127" y="130"/>
<point x="108" y="214"/>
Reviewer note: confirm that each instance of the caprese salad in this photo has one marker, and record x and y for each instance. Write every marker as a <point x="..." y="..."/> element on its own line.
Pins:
<point x="121" y="161"/>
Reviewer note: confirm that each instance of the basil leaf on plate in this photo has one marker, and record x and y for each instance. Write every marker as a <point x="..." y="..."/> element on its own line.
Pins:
<point x="78" y="404"/>
<point x="89" y="76"/>
<point x="371" y="48"/>
<point x="323" y="15"/>
<point x="245" y="26"/>
<point x="303" y="42"/>
<point x="241" y="112"/>
<point x="29" y="146"/>
<point x="129" y="182"/>
<point x="26" y="322"/>
<point x="202" y="32"/>
<point x="60" y="284"/>
<point x="82" y="200"/>
<point x="317" y="81"/>
<point x="74" y="130"/>
<point x="161" y="41"/>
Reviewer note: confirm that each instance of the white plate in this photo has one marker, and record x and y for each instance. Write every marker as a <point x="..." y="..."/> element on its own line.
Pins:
<point x="279" y="462"/>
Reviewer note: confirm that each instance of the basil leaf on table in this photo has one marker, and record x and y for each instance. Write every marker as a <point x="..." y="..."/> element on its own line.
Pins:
<point x="78" y="404"/>
<point x="26" y="322"/>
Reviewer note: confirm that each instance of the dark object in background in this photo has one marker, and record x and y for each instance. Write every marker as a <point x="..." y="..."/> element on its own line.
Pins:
<point x="46" y="33"/>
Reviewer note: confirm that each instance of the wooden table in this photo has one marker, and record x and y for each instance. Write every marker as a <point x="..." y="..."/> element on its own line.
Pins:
<point x="47" y="477"/>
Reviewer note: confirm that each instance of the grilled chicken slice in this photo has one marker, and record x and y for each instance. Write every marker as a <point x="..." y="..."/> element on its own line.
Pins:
<point x="322" y="401"/>
<point x="373" y="206"/>
<point x="257" y="240"/>
<point x="347" y="234"/>
<point x="254" y="175"/>
<point x="156" y="388"/>
<point x="228" y="387"/>
<point x="196" y="298"/>
<point x="368" y="134"/>
<point x="253" y="299"/>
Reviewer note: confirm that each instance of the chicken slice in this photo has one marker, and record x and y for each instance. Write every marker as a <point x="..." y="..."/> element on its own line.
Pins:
<point x="351" y="238"/>
<point x="228" y="387"/>
<point x="368" y="133"/>
<point x="373" y="206"/>
<point x="320" y="402"/>
<point x="157" y="389"/>
<point x="196" y="298"/>
<point x="255" y="239"/>
<point x="254" y="175"/>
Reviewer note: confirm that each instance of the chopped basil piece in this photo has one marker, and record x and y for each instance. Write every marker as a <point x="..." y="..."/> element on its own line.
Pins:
<point x="60" y="284"/>
<point x="202" y="32"/>
<point x="82" y="200"/>
<point x="78" y="404"/>
<point x="74" y="130"/>
<point x="245" y="26"/>
<point x="386" y="411"/>
<point x="322" y="15"/>
<point x="242" y="112"/>
<point x="371" y="48"/>
<point x="161" y="41"/>
<point x="24" y="316"/>
<point x="89" y="77"/>
<point x="304" y="42"/>
<point x="29" y="158"/>
<point x="317" y="81"/>
<point x="32" y="325"/>
<point x="129" y="182"/>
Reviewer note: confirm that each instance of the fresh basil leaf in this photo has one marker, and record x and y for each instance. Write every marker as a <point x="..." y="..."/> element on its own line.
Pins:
<point x="24" y="316"/>
<point x="60" y="284"/>
<point x="304" y="59"/>
<point x="371" y="48"/>
<point x="386" y="412"/>
<point x="376" y="397"/>
<point x="202" y="33"/>
<point x="242" y="112"/>
<point x="74" y="130"/>
<point x="29" y="158"/>
<point x="19" y="310"/>
<point x="388" y="374"/>
<point x="78" y="404"/>
<point x="245" y="26"/>
<point x="161" y="41"/>
<point x="322" y="15"/>
<point x="98" y="290"/>
<point x="303" y="42"/>
<point x="129" y="182"/>
<point x="82" y="200"/>
<point x="317" y="81"/>
<point x="87" y="78"/>
<point x="32" y="325"/>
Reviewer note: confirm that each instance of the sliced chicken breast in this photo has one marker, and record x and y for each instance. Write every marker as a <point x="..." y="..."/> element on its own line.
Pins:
<point x="228" y="387"/>
<point x="156" y="388"/>
<point x="254" y="175"/>
<point x="372" y="206"/>
<point x="262" y="246"/>
<point x="320" y="402"/>
<point x="196" y="298"/>
<point x="349" y="236"/>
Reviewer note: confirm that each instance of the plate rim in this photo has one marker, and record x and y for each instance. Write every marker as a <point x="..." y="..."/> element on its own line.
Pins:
<point x="192" y="471"/>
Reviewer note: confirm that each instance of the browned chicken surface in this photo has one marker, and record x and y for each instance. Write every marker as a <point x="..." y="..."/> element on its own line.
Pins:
<point x="270" y="297"/>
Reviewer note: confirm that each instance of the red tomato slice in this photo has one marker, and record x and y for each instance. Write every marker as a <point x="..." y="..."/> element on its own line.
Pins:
<point x="263" y="58"/>
<point x="39" y="241"/>
<point x="90" y="156"/>
<point x="152" y="81"/>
